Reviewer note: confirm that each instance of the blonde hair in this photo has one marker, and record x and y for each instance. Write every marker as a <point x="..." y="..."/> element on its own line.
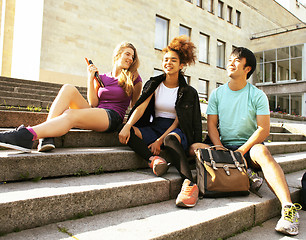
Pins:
<point x="127" y="76"/>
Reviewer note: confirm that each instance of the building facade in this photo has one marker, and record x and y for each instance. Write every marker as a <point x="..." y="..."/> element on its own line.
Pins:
<point x="47" y="40"/>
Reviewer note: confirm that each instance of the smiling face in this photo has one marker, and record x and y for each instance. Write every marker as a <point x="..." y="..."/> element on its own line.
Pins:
<point x="125" y="59"/>
<point x="236" y="68"/>
<point x="171" y="63"/>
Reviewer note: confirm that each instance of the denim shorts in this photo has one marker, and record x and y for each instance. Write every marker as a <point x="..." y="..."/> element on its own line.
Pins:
<point x="114" y="120"/>
<point x="157" y="128"/>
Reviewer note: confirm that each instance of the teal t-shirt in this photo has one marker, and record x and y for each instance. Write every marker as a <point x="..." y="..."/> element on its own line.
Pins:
<point x="237" y="112"/>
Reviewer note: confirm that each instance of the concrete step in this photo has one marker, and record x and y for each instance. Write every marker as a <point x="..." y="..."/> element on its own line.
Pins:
<point x="31" y="204"/>
<point x="27" y="96"/>
<point x="209" y="219"/>
<point x="265" y="231"/>
<point x="69" y="161"/>
<point x="13" y="119"/>
<point x="20" y="83"/>
<point x="14" y="101"/>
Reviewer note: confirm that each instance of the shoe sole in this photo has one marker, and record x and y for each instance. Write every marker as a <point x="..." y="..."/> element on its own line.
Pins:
<point x="161" y="169"/>
<point x="46" y="148"/>
<point x="183" y="205"/>
<point x="15" y="147"/>
<point x="283" y="231"/>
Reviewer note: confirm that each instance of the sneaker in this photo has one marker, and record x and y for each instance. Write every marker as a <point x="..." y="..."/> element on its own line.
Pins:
<point x="46" y="145"/>
<point x="188" y="197"/>
<point x="255" y="181"/>
<point x="20" y="139"/>
<point x="158" y="165"/>
<point x="289" y="222"/>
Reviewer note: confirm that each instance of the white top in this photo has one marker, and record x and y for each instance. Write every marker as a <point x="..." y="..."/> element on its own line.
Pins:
<point x="165" y="101"/>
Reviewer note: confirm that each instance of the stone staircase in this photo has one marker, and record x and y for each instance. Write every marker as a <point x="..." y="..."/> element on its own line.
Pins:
<point x="92" y="187"/>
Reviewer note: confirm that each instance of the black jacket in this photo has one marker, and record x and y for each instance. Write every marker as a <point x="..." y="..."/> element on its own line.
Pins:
<point x="187" y="108"/>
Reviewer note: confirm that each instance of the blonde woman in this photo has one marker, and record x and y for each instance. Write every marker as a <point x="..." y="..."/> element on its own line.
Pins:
<point x="103" y="111"/>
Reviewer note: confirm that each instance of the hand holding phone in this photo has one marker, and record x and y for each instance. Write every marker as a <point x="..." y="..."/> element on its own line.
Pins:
<point x="97" y="77"/>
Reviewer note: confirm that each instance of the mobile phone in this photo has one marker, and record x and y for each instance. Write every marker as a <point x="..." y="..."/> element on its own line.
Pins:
<point x="97" y="77"/>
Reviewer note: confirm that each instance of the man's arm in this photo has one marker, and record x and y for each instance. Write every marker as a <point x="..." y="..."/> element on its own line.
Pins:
<point x="262" y="132"/>
<point x="212" y="127"/>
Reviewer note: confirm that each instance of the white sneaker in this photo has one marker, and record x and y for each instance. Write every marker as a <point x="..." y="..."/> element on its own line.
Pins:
<point x="288" y="224"/>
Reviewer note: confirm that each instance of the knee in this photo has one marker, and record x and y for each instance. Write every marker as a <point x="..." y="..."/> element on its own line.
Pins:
<point x="170" y="138"/>
<point x="68" y="88"/>
<point x="260" y="152"/>
<point x="195" y="146"/>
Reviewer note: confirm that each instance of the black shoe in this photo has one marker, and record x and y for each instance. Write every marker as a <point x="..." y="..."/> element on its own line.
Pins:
<point x="46" y="144"/>
<point x="19" y="139"/>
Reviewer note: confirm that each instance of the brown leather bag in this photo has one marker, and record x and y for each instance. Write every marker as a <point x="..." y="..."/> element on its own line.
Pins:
<point x="221" y="173"/>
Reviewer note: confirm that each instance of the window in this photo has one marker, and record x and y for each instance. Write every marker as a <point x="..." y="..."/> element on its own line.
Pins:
<point x="238" y="20"/>
<point x="281" y="64"/>
<point x="199" y="3"/>
<point x="203" y="88"/>
<point x="210" y="6"/>
<point x="220" y="9"/>
<point x="229" y="14"/>
<point x="161" y="32"/>
<point x="185" y="31"/>
<point x="157" y="72"/>
<point x="203" y="48"/>
<point x="220" y="54"/>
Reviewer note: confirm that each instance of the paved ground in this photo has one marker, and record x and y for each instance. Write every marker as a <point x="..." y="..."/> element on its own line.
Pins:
<point x="266" y="231"/>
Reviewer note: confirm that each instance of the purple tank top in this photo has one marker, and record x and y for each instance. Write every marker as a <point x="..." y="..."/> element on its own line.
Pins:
<point x="112" y="96"/>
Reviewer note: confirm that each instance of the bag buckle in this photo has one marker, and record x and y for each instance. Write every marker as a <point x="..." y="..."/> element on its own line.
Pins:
<point x="226" y="169"/>
<point x="212" y="162"/>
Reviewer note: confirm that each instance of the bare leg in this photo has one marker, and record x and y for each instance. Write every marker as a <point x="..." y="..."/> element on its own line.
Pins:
<point x="273" y="173"/>
<point x="89" y="118"/>
<point x="195" y="146"/>
<point x="68" y="97"/>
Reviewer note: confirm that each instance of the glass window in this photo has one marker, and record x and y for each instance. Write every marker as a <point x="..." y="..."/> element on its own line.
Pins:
<point x="296" y="69"/>
<point x="210" y="6"/>
<point x="272" y="103"/>
<point x="203" y="88"/>
<point x="161" y="32"/>
<point x="270" y="72"/>
<point x="283" y="53"/>
<point x="296" y="51"/>
<point x="185" y="31"/>
<point x="220" y="54"/>
<point x="283" y="70"/>
<point x="203" y="48"/>
<point x="220" y="9"/>
<point x="229" y="14"/>
<point x="283" y="103"/>
<point x="238" y="20"/>
<point x="258" y="74"/>
<point x="296" y="105"/>
<point x="199" y="3"/>
<point x="270" y="55"/>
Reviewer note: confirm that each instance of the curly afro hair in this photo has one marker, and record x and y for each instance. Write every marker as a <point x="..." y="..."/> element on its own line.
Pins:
<point x="184" y="48"/>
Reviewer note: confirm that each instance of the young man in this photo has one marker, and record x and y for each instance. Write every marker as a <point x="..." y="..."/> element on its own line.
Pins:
<point x="242" y="112"/>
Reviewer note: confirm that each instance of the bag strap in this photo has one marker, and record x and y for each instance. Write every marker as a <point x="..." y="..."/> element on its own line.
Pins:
<point x="236" y="161"/>
<point x="212" y="161"/>
<point x="219" y="146"/>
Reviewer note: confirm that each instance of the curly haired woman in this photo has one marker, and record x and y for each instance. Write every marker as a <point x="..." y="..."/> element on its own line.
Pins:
<point x="167" y="114"/>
